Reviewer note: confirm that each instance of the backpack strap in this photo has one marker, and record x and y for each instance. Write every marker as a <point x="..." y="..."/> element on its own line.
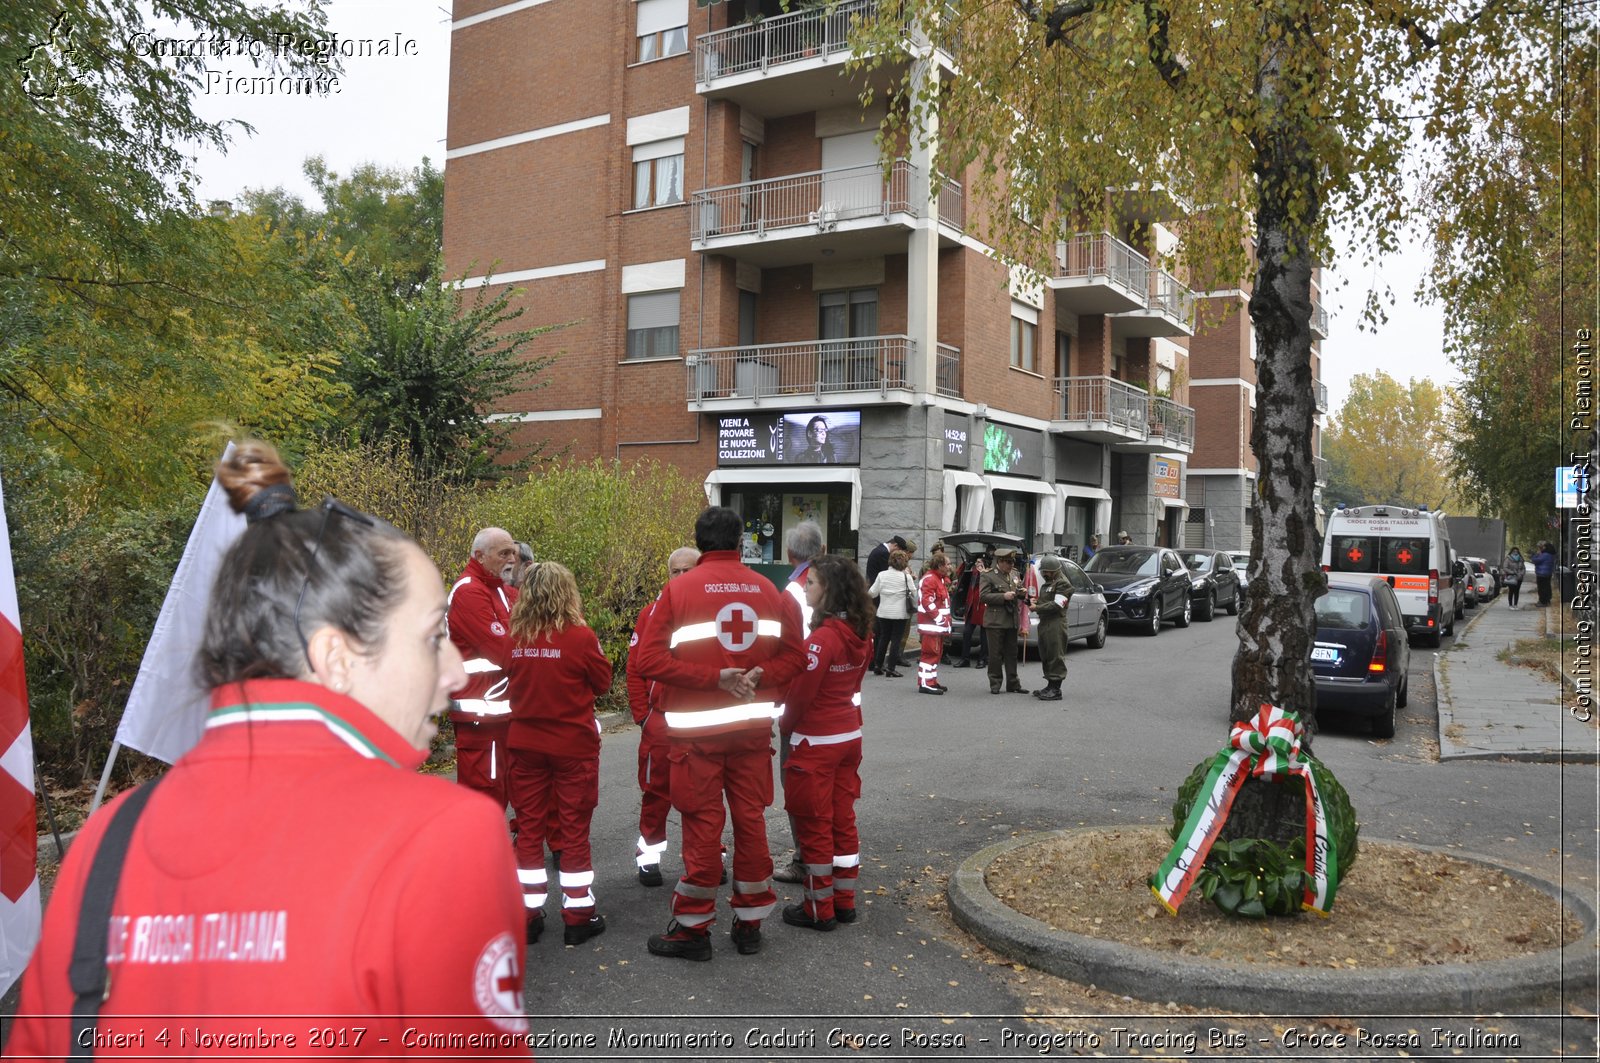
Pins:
<point x="88" y="975"/>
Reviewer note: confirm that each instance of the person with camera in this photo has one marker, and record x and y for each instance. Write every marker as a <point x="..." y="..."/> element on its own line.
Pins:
<point x="293" y="862"/>
<point x="1002" y="595"/>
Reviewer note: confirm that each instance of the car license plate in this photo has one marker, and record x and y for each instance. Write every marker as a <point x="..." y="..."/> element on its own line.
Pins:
<point x="1328" y="654"/>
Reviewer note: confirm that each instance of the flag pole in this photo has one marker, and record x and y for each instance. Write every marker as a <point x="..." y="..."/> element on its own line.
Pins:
<point x="50" y="814"/>
<point x="105" y="776"/>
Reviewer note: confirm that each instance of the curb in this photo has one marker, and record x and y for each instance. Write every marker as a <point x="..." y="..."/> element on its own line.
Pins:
<point x="1159" y="977"/>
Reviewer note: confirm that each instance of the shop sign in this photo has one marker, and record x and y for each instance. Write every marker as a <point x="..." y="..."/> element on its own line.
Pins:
<point x="1012" y="451"/>
<point x="956" y="431"/>
<point x="829" y="438"/>
<point x="1164" y="478"/>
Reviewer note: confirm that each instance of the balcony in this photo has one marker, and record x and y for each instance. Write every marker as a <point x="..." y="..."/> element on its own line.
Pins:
<point x="1322" y="466"/>
<point x="851" y="211"/>
<point x="864" y="370"/>
<point x="789" y="63"/>
<point x="1106" y="410"/>
<point x="1100" y="408"/>
<point x="1098" y="274"/>
<point x="1320" y="392"/>
<point x="1168" y="310"/>
<point x="1319" y="321"/>
<point x="947" y="374"/>
<point x="1171" y="425"/>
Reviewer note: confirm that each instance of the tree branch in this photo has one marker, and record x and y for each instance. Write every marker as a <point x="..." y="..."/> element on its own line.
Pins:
<point x="1159" y="19"/>
<point x="1444" y="34"/>
<point x="1055" y="22"/>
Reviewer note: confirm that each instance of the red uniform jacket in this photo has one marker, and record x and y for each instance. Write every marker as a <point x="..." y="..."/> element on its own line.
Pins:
<point x="722" y="614"/>
<point x="293" y="863"/>
<point x="480" y="626"/>
<point x="825" y="699"/>
<point x="554" y="682"/>
<point x="933" y="606"/>
<point x="641" y="692"/>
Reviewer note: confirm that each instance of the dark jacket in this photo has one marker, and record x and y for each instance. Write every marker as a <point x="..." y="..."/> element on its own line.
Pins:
<point x="997" y="612"/>
<point x="1544" y="563"/>
<point x="877" y="561"/>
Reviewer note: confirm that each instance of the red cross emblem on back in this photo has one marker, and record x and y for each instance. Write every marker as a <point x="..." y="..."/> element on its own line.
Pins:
<point x="1404" y="556"/>
<point x="1355" y="554"/>
<point x="736" y="627"/>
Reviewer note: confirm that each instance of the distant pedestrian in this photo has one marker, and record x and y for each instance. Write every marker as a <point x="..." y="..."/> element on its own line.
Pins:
<point x="1124" y="539"/>
<point x="968" y="590"/>
<point x="933" y="622"/>
<point x="1511" y="570"/>
<point x="1544" y="566"/>
<point x="896" y="592"/>
<point x="1093" y="547"/>
<point x="1051" y="607"/>
<point x="1001" y="592"/>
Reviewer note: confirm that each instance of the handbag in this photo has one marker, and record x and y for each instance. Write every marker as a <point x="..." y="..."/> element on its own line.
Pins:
<point x="911" y="598"/>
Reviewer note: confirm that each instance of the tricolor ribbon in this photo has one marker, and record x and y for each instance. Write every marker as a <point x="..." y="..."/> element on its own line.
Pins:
<point x="1267" y="747"/>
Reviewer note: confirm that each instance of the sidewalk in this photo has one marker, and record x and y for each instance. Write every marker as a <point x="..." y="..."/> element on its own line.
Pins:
<point x="1490" y="709"/>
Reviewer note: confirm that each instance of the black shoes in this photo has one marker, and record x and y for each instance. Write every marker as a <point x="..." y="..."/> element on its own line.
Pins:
<point x="961" y="662"/>
<point x="1051" y="692"/>
<point x="679" y="942"/>
<point x="844" y="915"/>
<point x="1016" y="688"/>
<point x="650" y="875"/>
<point x="746" y="937"/>
<point x="893" y="675"/>
<point x="535" y="927"/>
<point x="793" y="872"/>
<point x="929" y="690"/>
<point x="994" y="690"/>
<point x="796" y="915"/>
<point x="578" y="933"/>
<point x="876" y="670"/>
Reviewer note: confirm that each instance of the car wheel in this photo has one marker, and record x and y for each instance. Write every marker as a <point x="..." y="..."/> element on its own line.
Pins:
<point x="1383" y="723"/>
<point x="1451" y="630"/>
<point x="1433" y="641"/>
<point x="1405" y="692"/>
<point x="1098" y="639"/>
<point x="1233" y="603"/>
<point x="1188" y="612"/>
<point x="1209" y="611"/>
<point x="1152" y="626"/>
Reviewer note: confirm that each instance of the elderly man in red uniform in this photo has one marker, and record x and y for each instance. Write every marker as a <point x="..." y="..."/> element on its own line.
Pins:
<point x="721" y="646"/>
<point x="480" y="627"/>
<point x="655" y="793"/>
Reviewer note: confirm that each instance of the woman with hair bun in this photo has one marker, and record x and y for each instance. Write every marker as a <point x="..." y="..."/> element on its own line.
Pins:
<point x="293" y="866"/>
<point x="556" y="670"/>
<point x="821" y="724"/>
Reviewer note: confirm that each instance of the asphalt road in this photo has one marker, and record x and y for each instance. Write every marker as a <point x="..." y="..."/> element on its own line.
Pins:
<point x="942" y="778"/>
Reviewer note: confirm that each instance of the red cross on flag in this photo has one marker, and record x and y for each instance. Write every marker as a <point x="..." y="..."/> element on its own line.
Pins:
<point x="19" y="864"/>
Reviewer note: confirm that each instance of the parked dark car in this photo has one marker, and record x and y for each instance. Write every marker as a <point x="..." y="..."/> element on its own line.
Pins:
<point x="1361" y="652"/>
<point x="1466" y="595"/>
<point x="1143" y="585"/>
<point x="1214" y="583"/>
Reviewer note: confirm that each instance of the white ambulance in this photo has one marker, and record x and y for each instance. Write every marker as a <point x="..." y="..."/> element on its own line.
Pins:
<point x="1411" y="547"/>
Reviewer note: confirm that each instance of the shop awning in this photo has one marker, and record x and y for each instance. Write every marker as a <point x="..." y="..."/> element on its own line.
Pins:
<point x="1174" y="503"/>
<point x="791" y="479"/>
<point x="954" y="480"/>
<point x="1102" y="507"/>
<point x="1045" y="519"/>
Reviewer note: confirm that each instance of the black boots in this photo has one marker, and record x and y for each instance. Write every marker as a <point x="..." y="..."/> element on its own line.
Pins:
<point x="1051" y="691"/>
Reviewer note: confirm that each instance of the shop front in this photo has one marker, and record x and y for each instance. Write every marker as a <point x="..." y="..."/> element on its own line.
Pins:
<point x="781" y="468"/>
<point x="1018" y="500"/>
<point x="1166" y="484"/>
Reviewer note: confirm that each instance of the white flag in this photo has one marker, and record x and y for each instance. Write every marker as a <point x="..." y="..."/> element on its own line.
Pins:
<point x="166" y="711"/>
<point x="19" y="833"/>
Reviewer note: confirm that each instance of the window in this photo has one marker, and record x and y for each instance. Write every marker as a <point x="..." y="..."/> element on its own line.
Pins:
<point x="663" y="28"/>
<point x="653" y="325"/>
<point x="658" y="173"/>
<point x="843" y="316"/>
<point x="1063" y="354"/>
<point x="1024" y="336"/>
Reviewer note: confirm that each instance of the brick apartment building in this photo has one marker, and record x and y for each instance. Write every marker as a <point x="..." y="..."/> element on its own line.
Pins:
<point x="697" y="193"/>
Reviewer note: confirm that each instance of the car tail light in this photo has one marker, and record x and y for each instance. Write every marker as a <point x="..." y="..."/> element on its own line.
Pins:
<point x="1433" y="586"/>
<point x="1325" y="568"/>
<point x="1380" y="653"/>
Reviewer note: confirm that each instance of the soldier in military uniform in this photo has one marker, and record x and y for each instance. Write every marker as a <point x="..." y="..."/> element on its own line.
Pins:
<point x="1051" y="608"/>
<point x="1001" y="592"/>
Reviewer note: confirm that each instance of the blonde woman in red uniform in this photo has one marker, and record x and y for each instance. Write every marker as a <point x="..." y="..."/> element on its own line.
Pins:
<point x="293" y="866"/>
<point x="557" y="671"/>
<point x="821" y="723"/>
<point x="933" y="622"/>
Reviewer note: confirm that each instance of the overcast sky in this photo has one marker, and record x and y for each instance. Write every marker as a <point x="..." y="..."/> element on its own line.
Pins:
<point x="392" y="111"/>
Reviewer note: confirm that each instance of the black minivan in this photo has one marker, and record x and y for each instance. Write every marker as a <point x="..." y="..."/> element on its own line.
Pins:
<point x="1361" y="653"/>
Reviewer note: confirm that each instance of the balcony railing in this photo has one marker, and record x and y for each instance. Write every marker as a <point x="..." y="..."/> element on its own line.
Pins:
<point x="788" y="38"/>
<point x="952" y="204"/>
<point x="1171" y="297"/>
<point x="1322" y="466"/>
<point x="948" y="371"/>
<point x="1319" y="320"/>
<point x="1097" y="255"/>
<point x="820" y="199"/>
<point x="1320" y="391"/>
<point x="1171" y="421"/>
<point x="813" y="367"/>
<point x="1103" y="400"/>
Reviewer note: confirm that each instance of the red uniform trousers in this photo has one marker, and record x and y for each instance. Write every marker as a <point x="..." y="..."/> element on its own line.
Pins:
<point x="928" y="663"/>
<point x="563" y="791"/>
<point x="821" y="784"/>
<point x="482" y="760"/>
<point x="655" y="789"/>
<point x="703" y="770"/>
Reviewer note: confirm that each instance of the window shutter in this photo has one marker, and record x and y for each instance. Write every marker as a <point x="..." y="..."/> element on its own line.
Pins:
<point x="657" y="15"/>
<point x="653" y="310"/>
